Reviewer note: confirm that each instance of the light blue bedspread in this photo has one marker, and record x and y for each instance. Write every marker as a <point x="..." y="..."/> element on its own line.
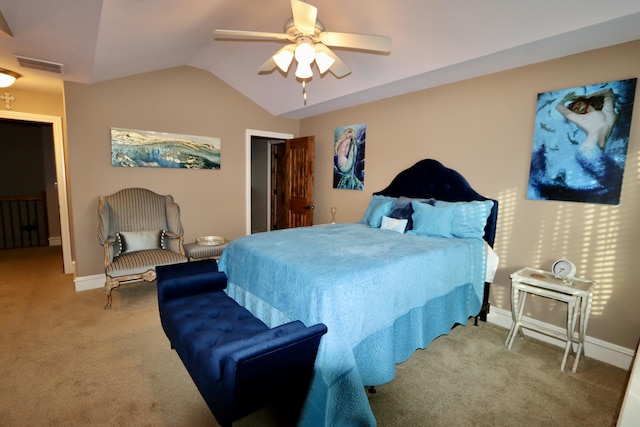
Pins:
<point x="381" y="294"/>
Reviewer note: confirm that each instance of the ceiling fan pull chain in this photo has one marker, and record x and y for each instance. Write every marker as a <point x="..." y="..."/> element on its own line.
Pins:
<point x="304" y="92"/>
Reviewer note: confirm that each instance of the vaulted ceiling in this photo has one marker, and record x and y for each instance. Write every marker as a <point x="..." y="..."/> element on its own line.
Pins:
<point x="434" y="42"/>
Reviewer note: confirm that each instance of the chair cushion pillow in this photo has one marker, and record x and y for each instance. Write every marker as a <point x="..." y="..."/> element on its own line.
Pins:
<point x="132" y="241"/>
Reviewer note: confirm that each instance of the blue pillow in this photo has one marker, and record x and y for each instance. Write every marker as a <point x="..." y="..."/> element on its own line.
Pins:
<point x="393" y="224"/>
<point x="402" y="209"/>
<point x="379" y="206"/>
<point x="432" y="220"/>
<point x="470" y="217"/>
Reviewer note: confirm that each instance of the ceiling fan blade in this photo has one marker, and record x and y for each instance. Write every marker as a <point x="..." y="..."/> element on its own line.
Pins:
<point x="339" y="68"/>
<point x="304" y="17"/>
<point x="357" y="41"/>
<point x="268" y="66"/>
<point x="258" y="34"/>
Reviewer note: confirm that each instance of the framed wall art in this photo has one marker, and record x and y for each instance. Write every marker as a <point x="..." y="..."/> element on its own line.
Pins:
<point x="348" y="157"/>
<point x="141" y="148"/>
<point x="580" y="143"/>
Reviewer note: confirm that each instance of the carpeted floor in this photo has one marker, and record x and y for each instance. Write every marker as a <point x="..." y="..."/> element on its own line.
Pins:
<point x="65" y="361"/>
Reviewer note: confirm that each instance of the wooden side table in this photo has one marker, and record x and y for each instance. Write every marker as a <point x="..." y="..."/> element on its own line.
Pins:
<point x="577" y="293"/>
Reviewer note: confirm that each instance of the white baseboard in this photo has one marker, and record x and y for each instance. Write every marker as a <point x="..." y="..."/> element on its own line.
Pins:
<point x="55" y="241"/>
<point x="87" y="283"/>
<point x="603" y="351"/>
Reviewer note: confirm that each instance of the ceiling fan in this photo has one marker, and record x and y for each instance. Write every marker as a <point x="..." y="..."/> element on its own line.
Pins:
<point x="310" y="42"/>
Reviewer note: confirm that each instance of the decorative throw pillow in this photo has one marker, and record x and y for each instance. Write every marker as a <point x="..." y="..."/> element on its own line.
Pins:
<point x="378" y="207"/>
<point x="403" y="209"/>
<point x="132" y="241"/>
<point x="393" y="224"/>
<point x="432" y="220"/>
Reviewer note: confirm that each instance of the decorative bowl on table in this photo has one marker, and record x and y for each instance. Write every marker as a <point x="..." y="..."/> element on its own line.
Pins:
<point x="210" y="240"/>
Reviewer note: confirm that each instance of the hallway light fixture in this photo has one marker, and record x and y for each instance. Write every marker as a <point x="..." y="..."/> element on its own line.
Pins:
<point x="8" y="77"/>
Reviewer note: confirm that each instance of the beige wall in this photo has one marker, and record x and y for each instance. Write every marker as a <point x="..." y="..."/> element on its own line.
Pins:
<point x="178" y="100"/>
<point x="47" y="104"/>
<point x="484" y="128"/>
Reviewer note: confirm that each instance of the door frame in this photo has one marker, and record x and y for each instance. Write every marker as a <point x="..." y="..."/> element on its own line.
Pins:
<point x="249" y="133"/>
<point x="61" y="177"/>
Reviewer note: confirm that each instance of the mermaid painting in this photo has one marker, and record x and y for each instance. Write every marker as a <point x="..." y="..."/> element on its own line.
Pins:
<point x="580" y="155"/>
<point x="348" y="155"/>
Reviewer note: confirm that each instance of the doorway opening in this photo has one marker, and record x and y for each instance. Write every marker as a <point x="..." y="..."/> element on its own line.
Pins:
<point x="290" y="171"/>
<point x="60" y="184"/>
<point x="260" y="164"/>
<point x="28" y="203"/>
<point x="267" y="184"/>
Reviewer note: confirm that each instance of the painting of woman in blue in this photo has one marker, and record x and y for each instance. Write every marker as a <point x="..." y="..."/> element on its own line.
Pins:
<point x="580" y="143"/>
<point x="348" y="157"/>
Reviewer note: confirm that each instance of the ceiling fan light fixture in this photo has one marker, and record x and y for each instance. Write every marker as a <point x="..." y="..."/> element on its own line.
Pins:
<point x="309" y="43"/>
<point x="8" y="77"/>
<point x="283" y="59"/>
<point x="324" y="62"/>
<point x="305" y="54"/>
<point x="304" y="71"/>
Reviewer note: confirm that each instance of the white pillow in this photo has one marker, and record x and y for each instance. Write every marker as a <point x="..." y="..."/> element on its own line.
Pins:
<point x="393" y="224"/>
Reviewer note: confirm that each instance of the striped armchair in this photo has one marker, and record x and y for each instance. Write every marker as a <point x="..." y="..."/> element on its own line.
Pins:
<point x="139" y="230"/>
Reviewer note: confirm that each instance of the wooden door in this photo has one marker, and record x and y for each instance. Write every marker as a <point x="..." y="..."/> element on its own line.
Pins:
<point x="299" y="156"/>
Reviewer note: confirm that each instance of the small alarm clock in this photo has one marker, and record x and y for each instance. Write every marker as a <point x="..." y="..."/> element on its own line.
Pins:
<point x="563" y="269"/>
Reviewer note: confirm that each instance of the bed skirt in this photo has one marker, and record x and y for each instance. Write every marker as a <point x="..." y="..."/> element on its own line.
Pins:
<point x="341" y="399"/>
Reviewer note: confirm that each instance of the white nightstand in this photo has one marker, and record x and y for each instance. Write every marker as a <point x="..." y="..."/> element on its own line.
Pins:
<point x="577" y="293"/>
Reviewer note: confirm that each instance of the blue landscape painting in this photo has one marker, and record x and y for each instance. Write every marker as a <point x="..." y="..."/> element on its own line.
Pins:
<point x="580" y="143"/>
<point x="139" y="148"/>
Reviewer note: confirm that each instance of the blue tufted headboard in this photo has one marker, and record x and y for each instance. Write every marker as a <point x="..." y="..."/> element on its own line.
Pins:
<point x="431" y="179"/>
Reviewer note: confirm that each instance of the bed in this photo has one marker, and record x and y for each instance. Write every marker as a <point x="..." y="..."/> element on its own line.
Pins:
<point x="415" y="266"/>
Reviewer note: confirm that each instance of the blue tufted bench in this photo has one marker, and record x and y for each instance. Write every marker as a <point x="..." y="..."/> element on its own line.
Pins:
<point x="237" y="362"/>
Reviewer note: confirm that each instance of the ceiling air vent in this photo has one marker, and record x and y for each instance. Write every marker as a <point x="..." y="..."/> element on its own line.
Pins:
<point x="39" y="64"/>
